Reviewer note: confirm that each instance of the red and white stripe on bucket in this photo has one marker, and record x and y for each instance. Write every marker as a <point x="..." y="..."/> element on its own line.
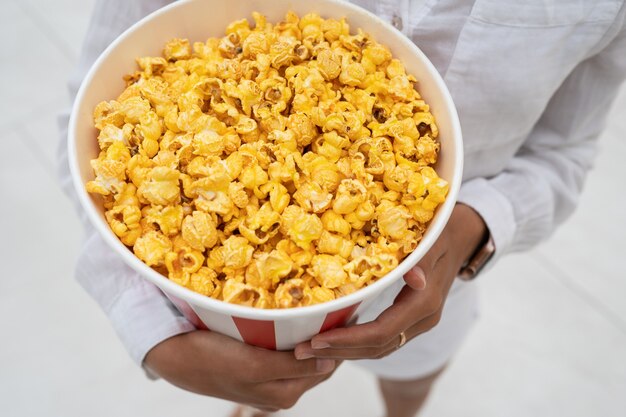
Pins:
<point x="268" y="334"/>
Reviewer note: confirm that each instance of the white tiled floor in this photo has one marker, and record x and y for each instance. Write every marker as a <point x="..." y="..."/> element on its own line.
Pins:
<point x="551" y="340"/>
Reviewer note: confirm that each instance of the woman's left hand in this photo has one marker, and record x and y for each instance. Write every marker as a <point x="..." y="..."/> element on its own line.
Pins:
<point x="418" y="306"/>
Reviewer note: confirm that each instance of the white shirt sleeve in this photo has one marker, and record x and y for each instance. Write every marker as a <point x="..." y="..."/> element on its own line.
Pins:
<point x="540" y="186"/>
<point x="140" y="314"/>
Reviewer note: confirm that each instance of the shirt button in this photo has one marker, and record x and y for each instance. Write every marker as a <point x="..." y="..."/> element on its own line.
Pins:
<point x="396" y="21"/>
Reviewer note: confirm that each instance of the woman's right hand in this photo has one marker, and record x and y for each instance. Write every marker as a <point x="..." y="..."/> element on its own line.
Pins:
<point x="211" y="364"/>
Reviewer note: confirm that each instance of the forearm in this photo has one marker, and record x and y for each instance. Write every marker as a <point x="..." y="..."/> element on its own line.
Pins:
<point x="468" y="232"/>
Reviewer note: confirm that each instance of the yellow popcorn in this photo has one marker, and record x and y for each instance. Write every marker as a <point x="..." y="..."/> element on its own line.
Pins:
<point x="134" y="109"/>
<point x="291" y="293"/>
<point x="317" y="295"/>
<point x="239" y="293"/>
<point x="334" y="222"/>
<point x="208" y="142"/>
<point x="152" y="65"/>
<point x="177" y="49"/>
<point x="168" y="218"/>
<point x="397" y="179"/>
<point x="138" y="169"/>
<point x="376" y="54"/>
<point x="301" y="257"/>
<point x="330" y="145"/>
<point x="124" y="221"/>
<point x="255" y="43"/>
<point x="238" y="194"/>
<point x="125" y="216"/>
<point x="365" y="268"/>
<point x="352" y="73"/>
<point x="427" y="150"/>
<point x="329" y="64"/>
<point x="205" y="282"/>
<point x="268" y="269"/>
<point x="322" y="171"/>
<point x="168" y="159"/>
<point x="334" y="29"/>
<point x="260" y="225"/>
<point x="313" y="197"/>
<point x="281" y="165"/>
<point x="150" y="128"/>
<point x="182" y="263"/>
<point x="110" y="170"/>
<point x="161" y="187"/>
<point x="237" y="252"/>
<point x="392" y="220"/>
<point x="350" y="194"/>
<point x="151" y="248"/>
<point x="111" y="133"/>
<point x="107" y="113"/>
<point x="334" y="245"/>
<point x="303" y="127"/>
<point x="278" y="195"/>
<point x="301" y="227"/>
<point x="199" y="231"/>
<point x="253" y="176"/>
<point x="310" y="24"/>
<point x="328" y="270"/>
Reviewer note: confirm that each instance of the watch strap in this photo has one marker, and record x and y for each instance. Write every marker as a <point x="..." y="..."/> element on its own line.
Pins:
<point x="478" y="260"/>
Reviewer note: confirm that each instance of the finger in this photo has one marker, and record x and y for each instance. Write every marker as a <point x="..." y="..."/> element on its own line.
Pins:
<point x="400" y="315"/>
<point x="271" y="365"/>
<point x="306" y="351"/>
<point x="423" y="326"/>
<point x="352" y="353"/>
<point x="416" y="278"/>
<point x="285" y="393"/>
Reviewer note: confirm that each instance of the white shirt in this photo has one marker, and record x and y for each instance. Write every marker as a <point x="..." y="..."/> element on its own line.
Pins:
<point x="532" y="81"/>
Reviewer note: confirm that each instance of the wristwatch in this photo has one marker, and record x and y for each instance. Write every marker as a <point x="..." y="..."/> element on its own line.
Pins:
<point x="478" y="260"/>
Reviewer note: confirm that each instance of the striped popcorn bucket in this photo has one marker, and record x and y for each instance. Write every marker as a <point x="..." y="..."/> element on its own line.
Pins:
<point x="198" y="20"/>
<point x="277" y="332"/>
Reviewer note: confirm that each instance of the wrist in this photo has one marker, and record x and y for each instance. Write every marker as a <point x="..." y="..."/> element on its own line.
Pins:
<point x="468" y="232"/>
<point x="164" y="356"/>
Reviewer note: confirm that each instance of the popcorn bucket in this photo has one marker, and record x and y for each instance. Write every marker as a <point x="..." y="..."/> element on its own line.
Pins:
<point x="198" y="20"/>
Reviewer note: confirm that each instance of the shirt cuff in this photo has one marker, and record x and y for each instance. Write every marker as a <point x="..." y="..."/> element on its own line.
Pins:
<point x="143" y="317"/>
<point x="496" y="211"/>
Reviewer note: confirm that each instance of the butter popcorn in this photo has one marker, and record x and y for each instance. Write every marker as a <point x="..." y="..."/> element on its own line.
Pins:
<point x="328" y="270"/>
<point x="161" y="188"/>
<point x="301" y="227"/>
<point x="281" y="165"/>
<point x="237" y="252"/>
<point x="152" y="247"/>
<point x="198" y="230"/>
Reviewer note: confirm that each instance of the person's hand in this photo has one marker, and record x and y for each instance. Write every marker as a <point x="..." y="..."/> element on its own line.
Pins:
<point x="211" y="364"/>
<point x="418" y="306"/>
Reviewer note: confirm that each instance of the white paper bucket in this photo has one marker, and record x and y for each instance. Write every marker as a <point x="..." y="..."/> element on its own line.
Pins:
<point x="198" y="20"/>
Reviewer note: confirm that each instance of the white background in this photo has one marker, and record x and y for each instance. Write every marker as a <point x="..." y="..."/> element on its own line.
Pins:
<point x="551" y="340"/>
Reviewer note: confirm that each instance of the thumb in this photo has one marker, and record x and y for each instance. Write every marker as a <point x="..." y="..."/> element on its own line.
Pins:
<point x="416" y="278"/>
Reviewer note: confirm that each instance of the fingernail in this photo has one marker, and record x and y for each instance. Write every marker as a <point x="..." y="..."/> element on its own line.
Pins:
<point x="325" y="365"/>
<point x="417" y="280"/>
<point x="303" y="355"/>
<point x="422" y="282"/>
<point x="318" y="344"/>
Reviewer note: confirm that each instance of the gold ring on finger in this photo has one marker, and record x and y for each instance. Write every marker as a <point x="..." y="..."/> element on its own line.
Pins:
<point x="402" y="340"/>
